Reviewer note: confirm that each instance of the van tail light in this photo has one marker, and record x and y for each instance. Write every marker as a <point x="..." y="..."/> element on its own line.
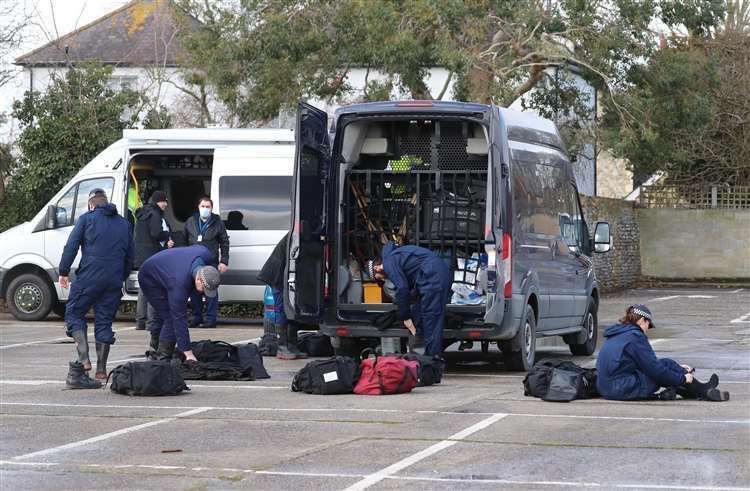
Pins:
<point x="327" y="259"/>
<point x="507" y="269"/>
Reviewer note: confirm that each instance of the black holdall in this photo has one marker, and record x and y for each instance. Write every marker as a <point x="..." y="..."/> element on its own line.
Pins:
<point x="208" y="350"/>
<point x="430" y="368"/>
<point x="314" y="344"/>
<point x="148" y="378"/>
<point x="337" y="375"/>
<point x="560" y="381"/>
<point x="248" y="357"/>
<point x="268" y="345"/>
<point x="215" y="370"/>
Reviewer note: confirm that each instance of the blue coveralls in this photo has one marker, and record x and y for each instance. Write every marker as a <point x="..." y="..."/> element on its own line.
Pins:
<point x="106" y="242"/>
<point x="416" y="268"/>
<point x="167" y="280"/>
<point x="628" y="369"/>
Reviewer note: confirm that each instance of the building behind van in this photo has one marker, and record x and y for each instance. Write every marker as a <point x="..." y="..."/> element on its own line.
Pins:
<point x="247" y="172"/>
<point x="490" y="190"/>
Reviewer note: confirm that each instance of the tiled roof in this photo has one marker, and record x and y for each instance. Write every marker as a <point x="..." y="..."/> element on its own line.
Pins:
<point x="143" y="32"/>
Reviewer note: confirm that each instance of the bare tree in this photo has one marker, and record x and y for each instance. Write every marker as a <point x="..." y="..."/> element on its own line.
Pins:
<point x="13" y="23"/>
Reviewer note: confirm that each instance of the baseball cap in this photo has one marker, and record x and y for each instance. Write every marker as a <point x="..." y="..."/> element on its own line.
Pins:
<point x="211" y="279"/>
<point x="643" y="311"/>
<point x="97" y="192"/>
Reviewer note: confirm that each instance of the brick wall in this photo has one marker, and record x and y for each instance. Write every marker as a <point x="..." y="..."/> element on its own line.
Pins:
<point x="621" y="266"/>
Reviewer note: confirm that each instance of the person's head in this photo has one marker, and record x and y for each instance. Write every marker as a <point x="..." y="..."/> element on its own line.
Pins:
<point x="97" y="197"/>
<point x="207" y="280"/>
<point x="205" y="206"/>
<point x="638" y="315"/>
<point x="376" y="271"/>
<point x="159" y="198"/>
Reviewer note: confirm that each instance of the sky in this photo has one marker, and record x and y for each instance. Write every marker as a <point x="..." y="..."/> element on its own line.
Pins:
<point x="49" y="20"/>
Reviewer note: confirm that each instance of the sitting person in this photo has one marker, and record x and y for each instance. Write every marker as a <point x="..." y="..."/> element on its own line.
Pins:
<point x="628" y="369"/>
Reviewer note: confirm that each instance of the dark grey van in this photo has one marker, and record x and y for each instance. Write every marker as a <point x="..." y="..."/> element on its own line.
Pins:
<point x="489" y="189"/>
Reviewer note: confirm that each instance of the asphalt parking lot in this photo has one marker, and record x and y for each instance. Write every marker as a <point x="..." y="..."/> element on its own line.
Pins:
<point x="476" y="430"/>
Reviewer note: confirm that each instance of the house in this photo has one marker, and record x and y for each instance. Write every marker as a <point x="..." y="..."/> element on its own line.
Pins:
<point x="140" y="42"/>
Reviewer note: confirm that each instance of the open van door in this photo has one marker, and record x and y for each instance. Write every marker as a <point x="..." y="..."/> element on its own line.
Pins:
<point x="306" y="261"/>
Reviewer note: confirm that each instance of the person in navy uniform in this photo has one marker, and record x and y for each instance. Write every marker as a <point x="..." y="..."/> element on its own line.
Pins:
<point x="106" y="243"/>
<point x="207" y="229"/>
<point x="628" y="369"/>
<point x="167" y="279"/>
<point x="411" y="268"/>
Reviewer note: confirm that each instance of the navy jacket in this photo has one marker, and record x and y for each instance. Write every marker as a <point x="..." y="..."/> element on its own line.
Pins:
<point x="272" y="273"/>
<point x="214" y="235"/>
<point x="628" y="369"/>
<point x="171" y="269"/>
<point x="106" y="244"/>
<point x="410" y="267"/>
<point x="148" y="232"/>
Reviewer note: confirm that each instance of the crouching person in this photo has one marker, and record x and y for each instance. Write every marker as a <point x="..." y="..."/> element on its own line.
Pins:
<point x="167" y="279"/>
<point x="106" y="243"/>
<point x="628" y="369"/>
<point x="272" y="274"/>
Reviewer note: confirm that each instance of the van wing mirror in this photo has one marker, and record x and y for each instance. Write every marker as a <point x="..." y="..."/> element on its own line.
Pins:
<point x="50" y="220"/>
<point x="602" y="237"/>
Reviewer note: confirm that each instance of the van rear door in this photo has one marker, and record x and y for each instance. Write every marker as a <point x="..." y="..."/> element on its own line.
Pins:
<point x="306" y="261"/>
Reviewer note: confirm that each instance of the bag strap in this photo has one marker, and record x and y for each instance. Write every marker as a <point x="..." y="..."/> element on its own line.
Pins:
<point x="407" y="375"/>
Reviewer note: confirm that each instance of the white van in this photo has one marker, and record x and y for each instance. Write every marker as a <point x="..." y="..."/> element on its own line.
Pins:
<point x="247" y="173"/>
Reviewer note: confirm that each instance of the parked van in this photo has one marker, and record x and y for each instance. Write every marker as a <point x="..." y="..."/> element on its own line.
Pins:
<point x="247" y="172"/>
<point x="489" y="189"/>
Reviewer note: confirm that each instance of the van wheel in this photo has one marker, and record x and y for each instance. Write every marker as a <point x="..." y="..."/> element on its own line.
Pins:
<point x="521" y="360"/>
<point x="59" y="309"/>
<point x="29" y="297"/>
<point x="590" y="324"/>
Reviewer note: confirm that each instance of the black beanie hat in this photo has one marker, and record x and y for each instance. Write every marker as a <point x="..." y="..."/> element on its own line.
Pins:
<point x="158" y="196"/>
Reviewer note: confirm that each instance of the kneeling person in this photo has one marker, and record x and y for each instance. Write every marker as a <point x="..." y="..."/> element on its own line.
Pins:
<point x="167" y="279"/>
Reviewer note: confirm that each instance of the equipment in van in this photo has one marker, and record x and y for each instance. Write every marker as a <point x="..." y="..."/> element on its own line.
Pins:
<point x="337" y="375"/>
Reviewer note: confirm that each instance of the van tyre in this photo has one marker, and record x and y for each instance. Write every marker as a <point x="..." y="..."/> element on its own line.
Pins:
<point x="590" y="324"/>
<point x="30" y="297"/>
<point x="519" y="352"/>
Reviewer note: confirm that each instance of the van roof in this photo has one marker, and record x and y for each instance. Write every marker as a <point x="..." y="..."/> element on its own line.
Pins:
<point x="208" y="135"/>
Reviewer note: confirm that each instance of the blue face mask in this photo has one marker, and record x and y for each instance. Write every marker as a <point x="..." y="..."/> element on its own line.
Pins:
<point x="205" y="212"/>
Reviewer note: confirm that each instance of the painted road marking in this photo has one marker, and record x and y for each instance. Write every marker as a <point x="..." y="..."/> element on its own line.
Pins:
<point x="744" y="319"/>
<point x="30" y="343"/>
<point x="737" y="290"/>
<point x="402" y="464"/>
<point x="225" y="386"/>
<point x="468" y="480"/>
<point x="112" y="434"/>
<point x="672" y="297"/>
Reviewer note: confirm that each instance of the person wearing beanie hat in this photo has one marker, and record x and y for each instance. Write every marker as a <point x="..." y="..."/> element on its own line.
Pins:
<point x="152" y="234"/>
<point x="628" y="369"/>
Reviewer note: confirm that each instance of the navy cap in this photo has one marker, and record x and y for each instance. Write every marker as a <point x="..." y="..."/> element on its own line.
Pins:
<point x="97" y="192"/>
<point x="643" y="311"/>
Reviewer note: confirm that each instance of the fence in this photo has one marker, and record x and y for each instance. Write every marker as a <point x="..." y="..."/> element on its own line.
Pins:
<point x="690" y="196"/>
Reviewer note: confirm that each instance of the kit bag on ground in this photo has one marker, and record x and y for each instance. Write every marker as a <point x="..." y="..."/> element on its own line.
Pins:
<point x="560" y="381"/>
<point x="214" y="370"/>
<point x="208" y="351"/>
<point x="268" y="345"/>
<point x="430" y="368"/>
<point x="384" y="375"/>
<point x="314" y="344"/>
<point x="336" y="375"/>
<point x="248" y="357"/>
<point x="148" y="378"/>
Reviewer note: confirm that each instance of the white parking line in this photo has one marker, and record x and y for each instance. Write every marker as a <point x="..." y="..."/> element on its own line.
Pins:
<point x="402" y="464"/>
<point x="672" y="297"/>
<point x="30" y="343"/>
<point x="737" y="290"/>
<point x="112" y="434"/>
<point x="204" y="386"/>
<point x="744" y="319"/>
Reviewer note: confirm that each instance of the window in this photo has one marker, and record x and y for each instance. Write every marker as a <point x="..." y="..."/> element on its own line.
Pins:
<point x="75" y="202"/>
<point x="255" y="202"/>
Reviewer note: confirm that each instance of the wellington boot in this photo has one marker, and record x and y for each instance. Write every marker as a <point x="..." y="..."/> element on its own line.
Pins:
<point x="668" y="394"/>
<point x="78" y="379"/>
<point x="82" y="348"/>
<point x="154" y="341"/>
<point x="292" y="343"/>
<point x="102" y="353"/>
<point x="165" y="350"/>
<point x="704" y="391"/>
<point x="284" y="351"/>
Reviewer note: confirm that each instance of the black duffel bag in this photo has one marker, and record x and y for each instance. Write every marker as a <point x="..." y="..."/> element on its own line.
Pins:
<point x="337" y="375"/>
<point x="430" y="368"/>
<point x="314" y="344"/>
<point x="215" y="370"/>
<point x="147" y="378"/>
<point x="268" y="345"/>
<point x="210" y="351"/>
<point x="560" y="381"/>
<point x="248" y="357"/>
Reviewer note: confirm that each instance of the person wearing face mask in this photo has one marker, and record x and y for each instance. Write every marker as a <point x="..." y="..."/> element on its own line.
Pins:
<point x="152" y="234"/>
<point x="106" y="244"/>
<point x="207" y="229"/>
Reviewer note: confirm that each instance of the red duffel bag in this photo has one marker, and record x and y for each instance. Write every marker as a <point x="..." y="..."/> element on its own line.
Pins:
<point x="387" y="375"/>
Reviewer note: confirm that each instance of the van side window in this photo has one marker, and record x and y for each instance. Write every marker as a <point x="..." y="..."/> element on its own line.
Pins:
<point x="572" y="229"/>
<point x="255" y="202"/>
<point x="84" y="188"/>
<point x="65" y="208"/>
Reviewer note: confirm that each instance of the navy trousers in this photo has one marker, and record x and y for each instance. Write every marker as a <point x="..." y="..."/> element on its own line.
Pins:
<point x="105" y="302"/>
<point x="429" y="313"/>
<point x="212" y="307"/>
<point x="163" y="321"/>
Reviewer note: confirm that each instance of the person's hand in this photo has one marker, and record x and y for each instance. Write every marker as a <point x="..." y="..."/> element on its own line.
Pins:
<point x="189" y="356"/>
<point x="64" y="283"/>
<point x="409" y="324"/>
<point x="223" y="268"/>
<point x="688" y="368"/>
<point x="688" y="378"/>
<point x="170" y="243"/>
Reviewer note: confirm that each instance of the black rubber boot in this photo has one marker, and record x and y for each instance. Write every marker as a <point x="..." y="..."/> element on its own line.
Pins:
<point x="288" y="344"/>
<point x="165" y="350"/>
<point x="703" y="391"/>
<point x="82" y="348"/>
<point x="78" y="379"/>
<point x="153" y="343"/>
<point x="102" y="353"/>
<point x="668" y="394"/>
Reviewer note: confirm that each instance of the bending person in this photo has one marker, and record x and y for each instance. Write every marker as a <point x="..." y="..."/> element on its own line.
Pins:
<point x="628" y="369"/>
<point x="167" y="279"/>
